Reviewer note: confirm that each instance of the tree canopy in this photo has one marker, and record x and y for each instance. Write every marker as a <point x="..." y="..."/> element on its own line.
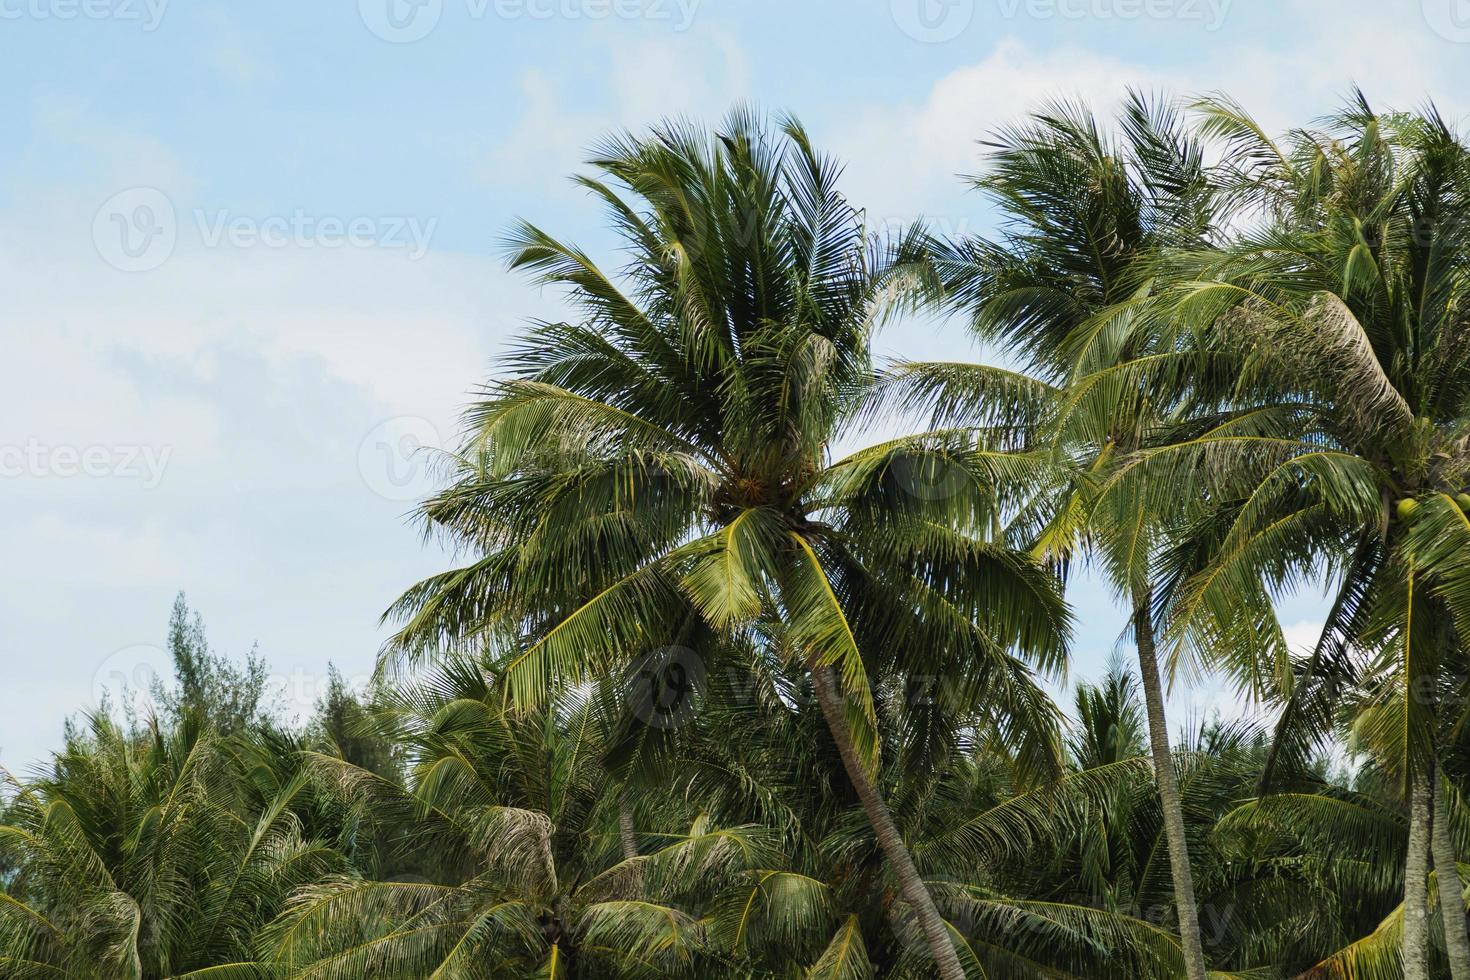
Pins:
<point x="745" y="666"/>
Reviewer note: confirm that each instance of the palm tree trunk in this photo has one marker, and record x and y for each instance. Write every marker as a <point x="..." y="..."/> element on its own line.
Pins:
<point x="1451" y="891"/>
<point x="1416" y="882"/>
<point x="1158" y="735"/>
<point x="936" y="933"/>
<point x="626" y="833"/>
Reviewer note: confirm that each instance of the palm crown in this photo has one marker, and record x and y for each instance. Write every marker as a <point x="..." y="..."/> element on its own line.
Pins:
<point x="1344" y="453"/>
<point x="1346" y="305"/>
<point x="665" y="464"/>
<point x="670" y="454"/>
<point x="158" y="854"/>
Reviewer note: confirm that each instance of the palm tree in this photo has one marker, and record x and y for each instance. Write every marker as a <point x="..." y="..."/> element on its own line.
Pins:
<point x="155" y="854"/>
<point x="953" y="795"/>
<point x="1296" y="880"/>
<point x="1357" y="834"/>
<point x="506" y="843"/>
<point x="1344" y="297"/>
<point x="819" y="904"/>
<point x="663" y="469"/>
<point x="754" y="861"/>
<point x="1083" y="213"/>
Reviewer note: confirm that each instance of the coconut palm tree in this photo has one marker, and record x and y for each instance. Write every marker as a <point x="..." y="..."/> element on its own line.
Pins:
<point x="156" y="854"/>
<point x="666" y="466"/>
<point x="754" y="856"/>
<point x="1344" y="297"/>
<point x="1083" y="211"/>
<point x="506" y="844"/>
<point x="1356" y="834"/>
<point x="985" y="850"/>
<point x="1296" y="880"/>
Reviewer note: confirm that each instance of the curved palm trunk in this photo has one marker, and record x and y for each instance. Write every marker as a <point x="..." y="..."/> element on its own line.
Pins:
<point x="936" y="933"/>
<point x="1158" y="736"/>
<point x="1451" y="891"/>
<point x="1416" y="882"/>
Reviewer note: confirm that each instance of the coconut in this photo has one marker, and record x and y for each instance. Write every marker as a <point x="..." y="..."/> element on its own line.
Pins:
<point x="1406" y="508"/>
<point x="1464" y="501"/>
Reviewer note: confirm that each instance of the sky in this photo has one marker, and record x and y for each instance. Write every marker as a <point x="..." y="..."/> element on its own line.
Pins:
<point x="250" y="258"/>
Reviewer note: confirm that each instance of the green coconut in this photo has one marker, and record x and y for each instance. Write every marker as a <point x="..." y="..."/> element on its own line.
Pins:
<point x="1406" y="508"/>
<point x="1463" y="500"/>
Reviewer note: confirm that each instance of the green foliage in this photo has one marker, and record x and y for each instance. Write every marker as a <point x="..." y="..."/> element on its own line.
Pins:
<point x="594" y="749"/>
<point x="153" y="855"/>
<point x="345" y="726"/>
<point x="229" y="696"/>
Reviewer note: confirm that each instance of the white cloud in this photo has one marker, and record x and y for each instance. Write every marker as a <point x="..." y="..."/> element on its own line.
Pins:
<point x="261" y="370"/>
<point x="115" y="156"/>
<point x="70" y="553"/>
<point x="700" y="74"/>
<point x="414" y="334"/>
<point x="1302" y="636"/>
<point x="903" y="159"/>
<point x="547" y="141"/>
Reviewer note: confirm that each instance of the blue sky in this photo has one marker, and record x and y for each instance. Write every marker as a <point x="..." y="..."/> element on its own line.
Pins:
<point x="248" y="254"/>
